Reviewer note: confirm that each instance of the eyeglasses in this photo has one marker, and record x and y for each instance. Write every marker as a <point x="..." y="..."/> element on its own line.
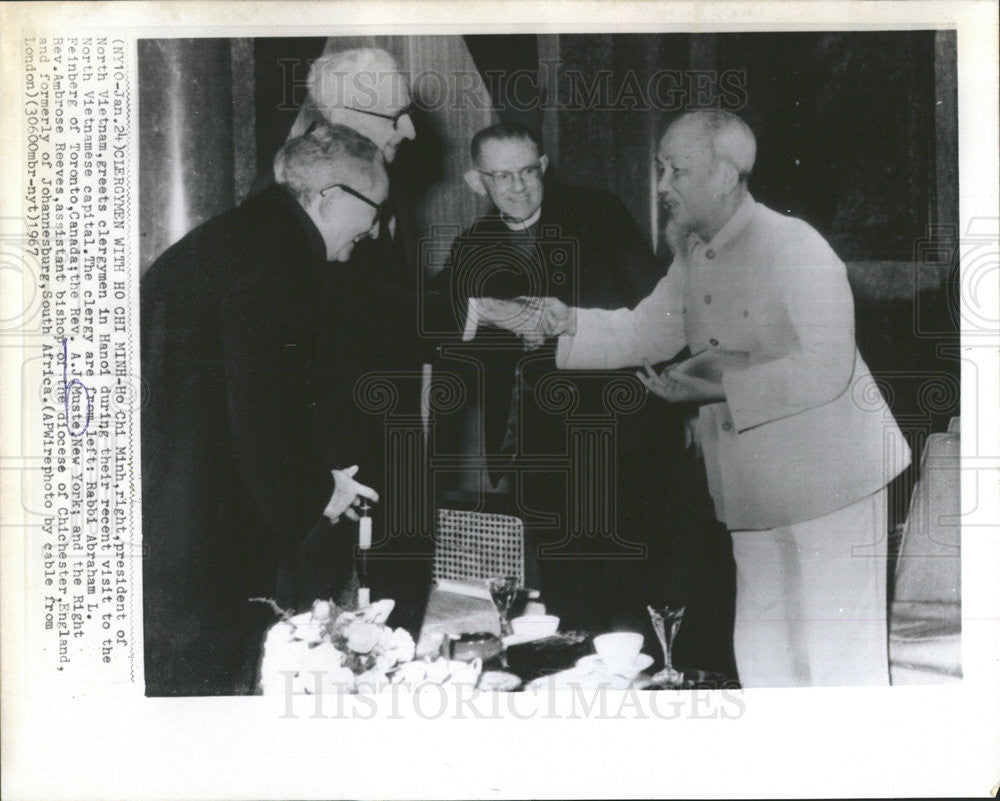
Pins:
<point x="504" y="179"/>
<point x="395" y="118"/>
<point x="381" y="210"/>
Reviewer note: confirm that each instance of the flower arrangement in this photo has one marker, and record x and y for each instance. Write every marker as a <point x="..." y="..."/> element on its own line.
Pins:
<point x="329" y="649"/>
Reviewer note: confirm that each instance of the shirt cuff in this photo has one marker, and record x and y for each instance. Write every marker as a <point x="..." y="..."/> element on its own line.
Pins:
<point x="563" y="348"/>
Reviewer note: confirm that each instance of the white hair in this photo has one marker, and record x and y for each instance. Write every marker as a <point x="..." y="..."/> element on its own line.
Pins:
<point x="364" y="78"/>
<point x="731" y="138"/>
<point x="327" y="155"/>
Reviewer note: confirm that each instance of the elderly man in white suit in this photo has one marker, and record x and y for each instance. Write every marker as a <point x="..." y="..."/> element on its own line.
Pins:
<point x="797" y="441"/>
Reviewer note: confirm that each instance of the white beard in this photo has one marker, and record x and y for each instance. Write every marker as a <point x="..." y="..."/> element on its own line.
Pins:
<point x="677" y="236"/>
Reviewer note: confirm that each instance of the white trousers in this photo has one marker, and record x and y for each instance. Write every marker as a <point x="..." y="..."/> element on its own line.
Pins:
<point x="811" y="600"/>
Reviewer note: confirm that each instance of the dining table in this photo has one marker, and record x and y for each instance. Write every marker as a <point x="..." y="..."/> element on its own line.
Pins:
<point x="453" y="609"/>
<point x="459" y="608"/>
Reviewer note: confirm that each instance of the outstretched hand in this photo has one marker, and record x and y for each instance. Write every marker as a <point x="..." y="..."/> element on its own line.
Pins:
<point x="347" y="493"/>
<point x="711" y="363"/>
<point x="675" y="386"/>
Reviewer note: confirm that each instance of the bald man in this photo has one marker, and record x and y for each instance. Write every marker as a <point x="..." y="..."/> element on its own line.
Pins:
<point x="363" y="89"/>
<point x="797" y="442"/>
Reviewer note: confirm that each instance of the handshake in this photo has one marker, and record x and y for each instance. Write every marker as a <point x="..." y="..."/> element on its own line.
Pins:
<point x="532" y="319"/>
<point x="697" y="379"/>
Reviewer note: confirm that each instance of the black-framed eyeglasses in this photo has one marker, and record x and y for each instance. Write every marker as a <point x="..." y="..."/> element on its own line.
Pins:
<point x="381" y="210"/>
<point x="504" y="179"/>
<point x="394" y="118"/>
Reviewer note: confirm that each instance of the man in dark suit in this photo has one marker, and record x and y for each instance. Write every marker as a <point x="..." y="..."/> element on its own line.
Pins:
<point x="575" y="243"/>
<point x="365" y="90"/>
<point x="236" y="355"/>
<point x="371" y="312"/>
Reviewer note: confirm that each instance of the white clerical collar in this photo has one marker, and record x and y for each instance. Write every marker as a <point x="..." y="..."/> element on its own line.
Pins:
<point x="522" y="225"/>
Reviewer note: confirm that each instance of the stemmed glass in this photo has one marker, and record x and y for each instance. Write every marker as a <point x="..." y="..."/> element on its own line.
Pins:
<point x="504" y="591"/>
<point x="666" y="622"/>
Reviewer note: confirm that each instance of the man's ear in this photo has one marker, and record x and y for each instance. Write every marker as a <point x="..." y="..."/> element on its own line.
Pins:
<point x="315" y="208"/>
<point x="475" y="182"/>
<point x="729" y="177"/>
<point x="544" y="161"/>
<point x="312" y="204"/>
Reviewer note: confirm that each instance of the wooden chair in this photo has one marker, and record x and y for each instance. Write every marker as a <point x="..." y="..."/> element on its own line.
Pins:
<point x="474" y="546"/>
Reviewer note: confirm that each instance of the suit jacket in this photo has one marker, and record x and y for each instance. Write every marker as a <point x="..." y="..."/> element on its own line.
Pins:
<point x="234" y="471"/>
<point x="804" y="430"/>
<point x="587" y="251"/>
<point x="367" y="330"/>
<point x="368" y="323"/>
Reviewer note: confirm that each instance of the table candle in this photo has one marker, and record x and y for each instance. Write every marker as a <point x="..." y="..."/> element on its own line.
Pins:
<point x="365" y="533"/>
<point x="364" y="543"/>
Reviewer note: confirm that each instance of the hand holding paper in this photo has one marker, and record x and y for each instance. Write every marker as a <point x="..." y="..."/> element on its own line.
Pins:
<point x="534" y="319"/>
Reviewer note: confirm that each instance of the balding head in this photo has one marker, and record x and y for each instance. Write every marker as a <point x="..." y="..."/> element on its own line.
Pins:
<point x="364" y="90"/>
<point x="365" y="78"/>
<point x="730" y="139"/>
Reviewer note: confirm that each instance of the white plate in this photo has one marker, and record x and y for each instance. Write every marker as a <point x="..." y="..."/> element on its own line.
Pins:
<point x="595" y="663"/>
<point x="577" y="678"/>
<point x="498" y="681"/>
<point x="591" y="673"/>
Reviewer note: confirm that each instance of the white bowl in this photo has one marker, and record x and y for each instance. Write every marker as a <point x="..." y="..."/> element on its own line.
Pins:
<point x="535" y="626"/>
<point x="619" y="650"/>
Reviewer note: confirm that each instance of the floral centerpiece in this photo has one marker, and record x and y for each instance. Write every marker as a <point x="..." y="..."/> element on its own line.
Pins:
<point x="329" y="649"/>
<point x="333" y="650"/>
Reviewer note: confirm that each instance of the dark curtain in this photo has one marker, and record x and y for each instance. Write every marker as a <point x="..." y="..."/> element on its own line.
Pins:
<point x="281" y="67"/>
<point x="845" y="130"/>
<point x="508" y="64"/>
<point x="186" y="147"/>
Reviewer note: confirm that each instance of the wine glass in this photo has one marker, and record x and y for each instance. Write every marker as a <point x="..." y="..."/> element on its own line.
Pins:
<point x="504" y="589"/>
<point x="666" y="622"/>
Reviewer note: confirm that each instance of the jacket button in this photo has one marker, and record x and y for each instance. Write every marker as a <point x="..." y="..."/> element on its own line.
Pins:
<point x="708" y="298"/>
<point x="727" y="426"/>
<point x="709" y="254"/>
<point x="713" y="341"/>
